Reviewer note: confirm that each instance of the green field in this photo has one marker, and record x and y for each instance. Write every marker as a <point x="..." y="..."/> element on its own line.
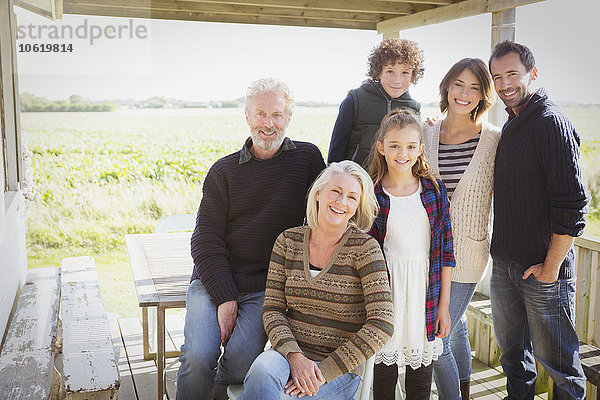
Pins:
<point x="95" y="177"/>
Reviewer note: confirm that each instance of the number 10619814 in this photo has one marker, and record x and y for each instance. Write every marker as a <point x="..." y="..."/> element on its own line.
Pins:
<point x="45" y="48"/>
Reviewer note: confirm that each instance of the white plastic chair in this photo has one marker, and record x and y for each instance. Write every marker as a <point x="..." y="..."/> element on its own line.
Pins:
<point x="176" y="223"/>
<point x="363" y="392"/>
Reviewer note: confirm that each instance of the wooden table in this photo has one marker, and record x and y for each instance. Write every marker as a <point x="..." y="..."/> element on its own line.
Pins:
<point x="162" y="266"/>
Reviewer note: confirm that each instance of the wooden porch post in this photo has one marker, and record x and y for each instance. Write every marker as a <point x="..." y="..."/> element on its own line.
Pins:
<point x="503" y="28"/>
<point x="9" y="113"/>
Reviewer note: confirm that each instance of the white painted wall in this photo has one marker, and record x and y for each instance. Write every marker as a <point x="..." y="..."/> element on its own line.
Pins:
<point x="13" y="254"/>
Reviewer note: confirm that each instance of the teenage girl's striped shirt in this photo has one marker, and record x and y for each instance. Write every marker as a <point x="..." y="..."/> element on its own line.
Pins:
<point x="453" y="160"/>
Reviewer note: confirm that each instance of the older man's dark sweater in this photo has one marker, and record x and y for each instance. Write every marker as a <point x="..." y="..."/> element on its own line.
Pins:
<point x="537" y="185"/>
<point x="245" y="206"/>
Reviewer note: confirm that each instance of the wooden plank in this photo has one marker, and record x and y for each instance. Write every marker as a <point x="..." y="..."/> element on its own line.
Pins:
<point x="588" y="242"/>
<point x="162" y="266"/>
<point x="9" y="93"/>
<point x="144" y="285"/>
<point x="590" y="360"/>
<point x="494" y="353"/>
<point x="582" y="295"/>
<point x="27" y="358"/>
<point x="592" y="336"/>
<point x="467" y="8"/>
<point x="51" y="9"/>
<point x="213" y="17"/>
<point x="543" y="383"/>
<point x="144" y="372"/>
<point x="285" y="6"/>
<point x="436" y="2"/>
<point x="487" y="383"/>
<point x="484" y="344"/>
<point x="89" y="364"/>
<point x="595" y="340"/>
<point x="244" y="10"/>
<point x="591" y="391"/>
<point x="20" y="168"/>
<point x="127" y="388"/>
<point x="480" y="308"/>
<point x="471" y="323"/>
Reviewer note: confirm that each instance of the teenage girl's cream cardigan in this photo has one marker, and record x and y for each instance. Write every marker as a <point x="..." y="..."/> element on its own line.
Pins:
<point x="471" y="203"/>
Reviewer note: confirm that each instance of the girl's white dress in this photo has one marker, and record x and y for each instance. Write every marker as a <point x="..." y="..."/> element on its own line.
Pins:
<point x="406" y="249"/>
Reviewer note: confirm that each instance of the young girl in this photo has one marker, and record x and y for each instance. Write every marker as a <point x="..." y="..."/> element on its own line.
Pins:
<point x="394" y="65"/>
<point x="413" y="229"/>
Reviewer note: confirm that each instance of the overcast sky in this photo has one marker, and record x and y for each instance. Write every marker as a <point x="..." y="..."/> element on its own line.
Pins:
<point x="210" y="61"/>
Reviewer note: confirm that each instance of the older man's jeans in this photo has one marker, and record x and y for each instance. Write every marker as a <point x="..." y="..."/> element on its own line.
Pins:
<point x="270" y="372"/>
<point x="530" y="317"/>
<point x="201" y="369"/>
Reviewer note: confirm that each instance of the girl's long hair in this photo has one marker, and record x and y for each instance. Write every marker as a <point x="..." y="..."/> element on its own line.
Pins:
<point x="399" y="119"/>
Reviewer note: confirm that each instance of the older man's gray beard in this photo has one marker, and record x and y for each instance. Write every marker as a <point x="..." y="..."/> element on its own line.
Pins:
<point x="266" y="144"/>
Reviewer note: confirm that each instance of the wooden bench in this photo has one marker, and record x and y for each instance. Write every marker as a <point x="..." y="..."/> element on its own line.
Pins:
<point x="30" y="347"/>
<point x="590" y="360"/>
<point x="89" y="363"/>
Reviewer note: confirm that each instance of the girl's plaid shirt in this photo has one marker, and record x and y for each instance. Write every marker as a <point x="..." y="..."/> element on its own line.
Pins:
<point x="441" y="252"/>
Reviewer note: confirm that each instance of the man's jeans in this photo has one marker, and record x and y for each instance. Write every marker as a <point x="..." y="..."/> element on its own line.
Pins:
<point x="198" y="372"/>
<point x="532" y="316"/>
<point x="454" y="364"/>
<point x="270" y="372"/>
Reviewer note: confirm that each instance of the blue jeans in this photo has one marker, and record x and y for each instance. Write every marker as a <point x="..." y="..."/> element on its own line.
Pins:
<point x="454" y="364"/>
<point x="202" y="368"/>
<point x="530" y="314"/>
<point x="270" y="372"/>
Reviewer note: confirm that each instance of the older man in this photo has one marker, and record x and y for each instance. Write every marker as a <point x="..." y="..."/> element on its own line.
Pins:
<point x="539" y="207"/>
<point x="249" y="197"/>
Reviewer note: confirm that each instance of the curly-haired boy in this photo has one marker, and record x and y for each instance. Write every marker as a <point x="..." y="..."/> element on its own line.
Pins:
<point x="393" y="65"/>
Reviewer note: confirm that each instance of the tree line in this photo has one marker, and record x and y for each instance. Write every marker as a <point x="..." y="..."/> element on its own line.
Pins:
<point x="75" y="103"/>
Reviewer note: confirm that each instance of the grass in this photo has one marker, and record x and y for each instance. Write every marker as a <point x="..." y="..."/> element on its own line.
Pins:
<point x="95" y="177"/>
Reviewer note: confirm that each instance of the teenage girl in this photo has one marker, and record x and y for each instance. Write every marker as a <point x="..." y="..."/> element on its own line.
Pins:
<point x="413" y="229"/>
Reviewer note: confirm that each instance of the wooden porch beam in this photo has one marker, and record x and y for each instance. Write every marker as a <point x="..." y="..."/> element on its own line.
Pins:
<point x="369" y="6"/>
<point x="214" y="13"/>
<point x="223" y="17"/>
<point x="467" y="8"/>
<point x="379" y="6"/>
<point x="435" y="2"/>
<point x="234" y="10"/>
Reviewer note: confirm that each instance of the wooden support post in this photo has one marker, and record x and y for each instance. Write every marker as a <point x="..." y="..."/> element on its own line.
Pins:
<point x="503" y="28"/>
<point x="160" y="356"/>
<point x="391" y="35"/>
<point x="13" y="158"/>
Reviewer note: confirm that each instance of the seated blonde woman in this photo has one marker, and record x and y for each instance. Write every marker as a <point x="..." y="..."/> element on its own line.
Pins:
<point x="328" y="306"/>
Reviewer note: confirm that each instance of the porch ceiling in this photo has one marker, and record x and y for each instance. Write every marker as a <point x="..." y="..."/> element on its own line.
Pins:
<point x="382" y="15"/>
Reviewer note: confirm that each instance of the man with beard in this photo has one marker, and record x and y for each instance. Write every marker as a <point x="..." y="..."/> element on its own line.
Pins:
<point x="539" y="207"/>
<point x="249" y="198"/>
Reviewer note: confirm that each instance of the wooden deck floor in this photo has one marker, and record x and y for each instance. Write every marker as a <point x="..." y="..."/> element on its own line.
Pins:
<point x="138" y="377"/>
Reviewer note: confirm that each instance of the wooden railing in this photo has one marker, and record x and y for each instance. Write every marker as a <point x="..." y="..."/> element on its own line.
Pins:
<point x="587" y="314"/>
<point x="587" y="305"/>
